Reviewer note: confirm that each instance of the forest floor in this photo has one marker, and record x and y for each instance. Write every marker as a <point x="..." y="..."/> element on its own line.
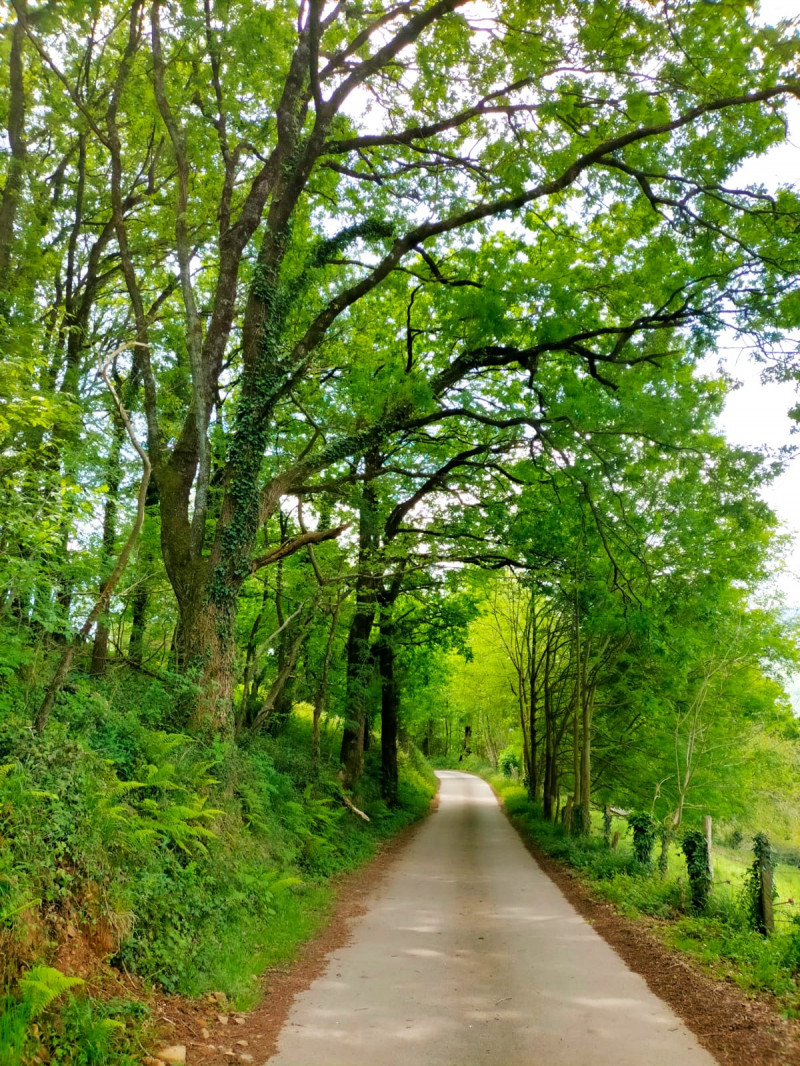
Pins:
<point x="455" y="947"/>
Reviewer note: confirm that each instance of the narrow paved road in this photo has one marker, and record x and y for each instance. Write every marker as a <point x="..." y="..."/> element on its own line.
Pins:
<point x="469" y="956"/>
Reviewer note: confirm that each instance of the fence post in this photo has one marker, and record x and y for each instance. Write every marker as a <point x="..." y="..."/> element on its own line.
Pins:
<point x="566" y="814"/>
<point x="707" y="822"/>
<point x="765" y="867"/>
<point x="615" y="841"/>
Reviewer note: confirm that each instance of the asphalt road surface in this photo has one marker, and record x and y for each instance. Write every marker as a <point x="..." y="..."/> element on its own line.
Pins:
<point x="468" y="956"/>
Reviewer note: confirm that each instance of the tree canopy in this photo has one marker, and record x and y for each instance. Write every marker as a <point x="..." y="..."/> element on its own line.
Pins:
<point x="341" y="339"/>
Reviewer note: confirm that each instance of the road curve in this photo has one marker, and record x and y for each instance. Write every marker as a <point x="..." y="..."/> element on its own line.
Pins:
<point x="469" y="956"/>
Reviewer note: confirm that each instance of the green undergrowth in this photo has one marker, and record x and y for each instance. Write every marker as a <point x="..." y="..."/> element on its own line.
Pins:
<point x="137" y="850"/>
<point x="720" y="938"/>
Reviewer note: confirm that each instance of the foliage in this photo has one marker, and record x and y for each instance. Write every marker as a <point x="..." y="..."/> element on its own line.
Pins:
<point x="37" y="989"/>
<point x="431" y="459"/>
<point x="645" y="833"/>
<point x="94" y="823"/>
<point x="695" y="848"/>
<point x="509" y="762"/>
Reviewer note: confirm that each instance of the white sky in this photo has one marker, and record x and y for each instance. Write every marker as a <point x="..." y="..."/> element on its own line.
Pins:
<point x="756" y="415"/>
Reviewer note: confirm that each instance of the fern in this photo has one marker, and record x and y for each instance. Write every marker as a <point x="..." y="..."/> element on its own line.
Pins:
<point x="95" y="1036"/>
<point x="41" y="985"/>
<point x="10" y="768"/>
<point x="176" y="823"/>
<point x="162" y="804"/>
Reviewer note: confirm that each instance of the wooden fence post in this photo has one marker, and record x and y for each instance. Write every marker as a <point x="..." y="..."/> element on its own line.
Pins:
<point x="765" y="867"/>
<point x="566" y="815"/>
<point x="709" y="841"/>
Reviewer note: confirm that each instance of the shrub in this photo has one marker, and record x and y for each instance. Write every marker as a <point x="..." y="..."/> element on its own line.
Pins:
<point x="508" y="762"/>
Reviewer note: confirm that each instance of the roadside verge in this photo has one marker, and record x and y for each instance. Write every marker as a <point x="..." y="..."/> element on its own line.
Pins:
<point x="736" y="1029"/>
<point x="213" y="1035"/>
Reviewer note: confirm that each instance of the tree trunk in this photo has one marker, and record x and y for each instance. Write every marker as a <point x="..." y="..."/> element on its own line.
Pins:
<point x="275" y="701"/>
<point x="533" y="773"/>
<point x="288" y="651"/>
<point x="359" y="677"/>
<point x="360" y="662"/>
<point x="15" y="131"/>
<point x="321" y="697"/>
<point x="139" y="605"/>
<point x="524" y="723"/>
<point x="581" y="818"/>
<point x="99" y="662"/>
<point x="467" y="746"/>
<point x="576" y="767"/>
<point x="206" y="653"/>
<point x="550" y="743"/>
<point x="390" y="713"/>
<point x="140" y="598"/>
<point x="584" y="816"/>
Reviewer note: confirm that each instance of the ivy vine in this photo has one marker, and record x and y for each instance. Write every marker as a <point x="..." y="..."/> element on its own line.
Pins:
<point x="695" y="848"/>
<point x="644" y="836"/>
<point x="607" y="827"/>
<point x="753" y="891"/>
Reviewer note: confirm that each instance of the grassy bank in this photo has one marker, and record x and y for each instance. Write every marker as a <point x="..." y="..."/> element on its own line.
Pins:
<point x="125" y="849"/>
<point x="720" y="939"/>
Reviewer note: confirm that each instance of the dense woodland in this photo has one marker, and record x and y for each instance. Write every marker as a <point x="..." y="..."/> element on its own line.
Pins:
<point x="351" y="411"/>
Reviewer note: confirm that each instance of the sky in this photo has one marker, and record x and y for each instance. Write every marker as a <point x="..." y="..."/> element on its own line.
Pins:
<point x="756" y="414"/>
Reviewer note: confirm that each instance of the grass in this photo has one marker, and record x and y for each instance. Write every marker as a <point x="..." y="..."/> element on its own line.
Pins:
<point x="719" y="940"/>
<point x="248" y="946"/>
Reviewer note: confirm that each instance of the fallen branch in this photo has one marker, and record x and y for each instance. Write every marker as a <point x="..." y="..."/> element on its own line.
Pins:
<point x="349" y="803"/>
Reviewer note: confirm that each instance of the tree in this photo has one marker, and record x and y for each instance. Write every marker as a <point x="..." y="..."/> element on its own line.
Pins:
<point x="540" y="123"/>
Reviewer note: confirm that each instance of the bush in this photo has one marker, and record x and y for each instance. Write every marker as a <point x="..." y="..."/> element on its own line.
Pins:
<point x="508" y="762"/>
<point x="720" y="938"/>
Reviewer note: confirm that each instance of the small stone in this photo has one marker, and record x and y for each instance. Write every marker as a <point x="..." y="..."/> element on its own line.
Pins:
<point x="176" y="1053"/>
<point x="246" y="1058"/>
<point x="148" y="1060"/>
<point x="220" y="998"/>
<point x="241" y="1043"/>
<point x="222" y="1019"/>
<point x="205" y="1033"/>
<point x="239" y="1019"/>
